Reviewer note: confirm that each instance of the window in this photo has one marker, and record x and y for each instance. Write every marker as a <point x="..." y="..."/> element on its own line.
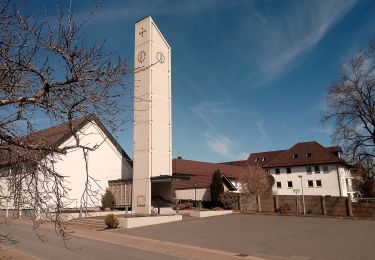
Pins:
<point x="264" y="159"/>
<point x="290" y="184"/>
<point x="317" y="169"/>
<point x="318" y="183"/>
<point x="325" y="169"/>
<point x="310" y="183"/>
<point x="308" y="155"/>
<point x="256" y="159"/>
<point x="277" y="171"/>
<point x="295" y="156"/>
<point x="288" y="170"/>
<point x="278" y="184"/>
<point x="308" y="170"/>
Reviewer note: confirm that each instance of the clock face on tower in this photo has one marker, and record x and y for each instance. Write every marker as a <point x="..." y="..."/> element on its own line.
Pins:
<point x="141" y="56"/>
<point x="160" y="57"/>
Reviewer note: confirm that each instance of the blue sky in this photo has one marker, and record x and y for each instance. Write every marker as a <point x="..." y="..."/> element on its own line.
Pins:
<point x="247" y="76"/>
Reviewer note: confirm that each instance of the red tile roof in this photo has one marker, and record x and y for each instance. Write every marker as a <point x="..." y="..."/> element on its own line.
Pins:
<point x="280" y="158"/>
<point x="263" y="158"/>
<point x="55" y="136"/>
<point x="298" y="155"/>
<point x="201" y="173"/>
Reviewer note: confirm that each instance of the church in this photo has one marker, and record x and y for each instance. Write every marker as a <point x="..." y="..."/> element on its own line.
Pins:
<point x="152" y="180"/>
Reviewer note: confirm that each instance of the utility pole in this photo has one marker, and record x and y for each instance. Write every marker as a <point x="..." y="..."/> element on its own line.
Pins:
<point x="303" y="196"/>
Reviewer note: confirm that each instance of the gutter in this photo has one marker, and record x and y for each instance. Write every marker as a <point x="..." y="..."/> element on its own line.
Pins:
<point x="338" y="178"/>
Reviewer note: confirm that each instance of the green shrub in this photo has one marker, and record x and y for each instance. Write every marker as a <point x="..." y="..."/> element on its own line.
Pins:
<point x="111" y="221"/>
<point x="284" y="209"/>
<point x="229" y="200"/>
<point x="186" y="205"/>
<point x="108" y="200"/>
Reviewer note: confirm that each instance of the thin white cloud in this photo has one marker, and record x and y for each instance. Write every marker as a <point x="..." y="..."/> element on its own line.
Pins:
<point x="133" y="10"/>
<point x="263" y="134"/>
<point x="322" y="130"/>
<point x="209" y="112"/>
<point x="282" y="40"/>
<point x="220" y="144"/>
<point x="213" y="115"/>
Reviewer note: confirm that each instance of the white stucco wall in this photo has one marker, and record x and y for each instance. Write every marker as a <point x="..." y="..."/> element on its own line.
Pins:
<point x="105" y="163"/>
<point x="152" y="112"/>
<point x="332" y="182"/>
<point x="202" y="194"/>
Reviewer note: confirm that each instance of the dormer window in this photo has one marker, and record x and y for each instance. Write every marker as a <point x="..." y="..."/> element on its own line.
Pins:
<point x="256" y="159"/>
<point x="308" y="155"/>
<point x="295" y="156"/>
<point x="264" y="159"/>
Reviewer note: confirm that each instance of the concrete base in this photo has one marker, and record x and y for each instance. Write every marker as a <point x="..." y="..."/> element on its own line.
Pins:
<point x="147" y="221"/>
<point x="209" y="213"/>
<point x="167" y="211"/>
<point x="70" y="216"/>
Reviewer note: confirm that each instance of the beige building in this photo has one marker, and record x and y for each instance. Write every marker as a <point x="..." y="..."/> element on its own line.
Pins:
<point x="316" y="169"/>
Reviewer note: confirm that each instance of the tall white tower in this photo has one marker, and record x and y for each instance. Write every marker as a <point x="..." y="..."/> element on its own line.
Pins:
<point x="153" y="118"/>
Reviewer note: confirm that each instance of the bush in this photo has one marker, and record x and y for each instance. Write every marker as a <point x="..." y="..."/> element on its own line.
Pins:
<point x="111" y="221"/>
<point x="284" y="209"/>
<point x="108" y="200"/>
<point x="186" y="205"/>
<point x="229" y="200"/>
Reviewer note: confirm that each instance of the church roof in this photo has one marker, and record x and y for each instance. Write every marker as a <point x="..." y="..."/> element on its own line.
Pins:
<point x="201" y="172"/>
<point x="57" y="135"/>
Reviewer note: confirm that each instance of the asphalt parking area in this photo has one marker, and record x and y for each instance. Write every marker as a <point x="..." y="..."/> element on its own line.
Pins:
<point x="271" y="236"/>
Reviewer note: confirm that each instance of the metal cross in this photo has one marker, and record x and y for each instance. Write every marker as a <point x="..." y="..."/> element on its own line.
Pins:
<point x="142" y="32"/>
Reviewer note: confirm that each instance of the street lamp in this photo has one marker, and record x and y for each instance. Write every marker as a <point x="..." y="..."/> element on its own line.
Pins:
<point x="303" y="196"/>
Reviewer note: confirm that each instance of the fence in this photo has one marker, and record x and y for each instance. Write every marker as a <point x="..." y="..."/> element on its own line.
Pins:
<point x="317" y="205"/>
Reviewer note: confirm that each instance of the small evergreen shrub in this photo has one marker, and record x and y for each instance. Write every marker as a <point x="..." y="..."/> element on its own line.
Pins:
<point x="111" y="221"/>
<point x="108" y="200"/>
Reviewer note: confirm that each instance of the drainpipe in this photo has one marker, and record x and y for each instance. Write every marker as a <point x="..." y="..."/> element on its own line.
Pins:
<point x="339" y="180"/>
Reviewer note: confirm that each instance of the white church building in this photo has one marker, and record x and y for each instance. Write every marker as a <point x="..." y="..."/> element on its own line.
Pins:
<point x="108" y="161"/>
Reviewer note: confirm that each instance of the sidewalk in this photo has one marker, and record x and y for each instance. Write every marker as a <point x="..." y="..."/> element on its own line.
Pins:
<point x="7" y="252"/>
<point x="147" y="244"/>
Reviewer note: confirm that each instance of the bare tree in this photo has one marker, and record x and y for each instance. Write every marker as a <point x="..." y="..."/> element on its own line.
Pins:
<point x="48" y="71"/>
<point x="351" y="107"/>
<point x="255" y="181"/>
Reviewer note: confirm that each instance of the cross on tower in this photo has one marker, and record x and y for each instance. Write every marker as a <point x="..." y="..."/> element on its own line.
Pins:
<point x="142" y="32"/>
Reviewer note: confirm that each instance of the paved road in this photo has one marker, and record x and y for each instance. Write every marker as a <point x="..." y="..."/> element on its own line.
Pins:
<point x="79" y="248"/>
<point x="275" y="237"/>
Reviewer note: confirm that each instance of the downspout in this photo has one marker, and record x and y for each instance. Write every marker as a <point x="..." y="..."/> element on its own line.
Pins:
<point x="8" y="195"/>
<point x="339" y="180"/>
